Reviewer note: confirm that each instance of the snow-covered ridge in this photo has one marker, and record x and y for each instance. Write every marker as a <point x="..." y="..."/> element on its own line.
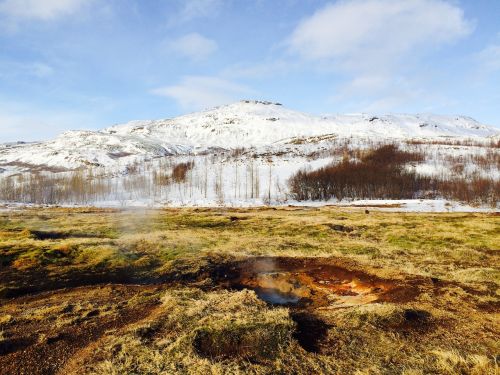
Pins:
<point x="246" y="124"/>
<point x="257" y="124"/>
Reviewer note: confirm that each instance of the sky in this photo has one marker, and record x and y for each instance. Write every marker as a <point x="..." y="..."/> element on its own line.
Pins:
<point x="89" y="64"/>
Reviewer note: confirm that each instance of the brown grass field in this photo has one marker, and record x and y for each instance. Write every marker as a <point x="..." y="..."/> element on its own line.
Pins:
<point x="248" y="291"/>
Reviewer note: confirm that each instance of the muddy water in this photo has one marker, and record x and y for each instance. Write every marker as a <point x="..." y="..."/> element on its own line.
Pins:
<point x="312" y="282"/>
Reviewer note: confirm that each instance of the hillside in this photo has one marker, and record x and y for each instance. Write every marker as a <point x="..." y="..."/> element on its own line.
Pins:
<point x="238" y="154"/>
<point x="243" y="124"/>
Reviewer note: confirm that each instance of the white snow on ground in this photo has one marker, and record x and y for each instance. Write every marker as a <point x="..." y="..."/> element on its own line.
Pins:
<point x="406" y="205"/>
<point x="245" y="152"/>
<point x="416" y="205"/>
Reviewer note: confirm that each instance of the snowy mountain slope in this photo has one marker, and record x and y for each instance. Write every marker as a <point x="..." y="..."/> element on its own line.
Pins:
<point x="244" y="124"/>
<point x="75" y="149"/>
<point x="253" y="123"/>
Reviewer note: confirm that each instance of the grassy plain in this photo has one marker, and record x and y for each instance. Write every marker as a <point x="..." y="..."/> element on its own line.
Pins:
<point x="145" y="292"/>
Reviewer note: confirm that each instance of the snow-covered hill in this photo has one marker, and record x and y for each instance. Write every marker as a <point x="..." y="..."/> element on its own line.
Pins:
<point x="257" y="123"/>
<point x="238" y="155"/>
<point x="248" y="124"/>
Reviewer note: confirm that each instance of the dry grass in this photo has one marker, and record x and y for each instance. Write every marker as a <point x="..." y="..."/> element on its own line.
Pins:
<point x="450" y="327"/>
<point x="449" y="246"/>
<point x="201" y="333"/>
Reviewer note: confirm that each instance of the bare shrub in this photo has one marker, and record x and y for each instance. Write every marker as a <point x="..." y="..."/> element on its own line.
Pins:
<point x="180" y="170"/>
<point x="474" y="191"/>
<point x="456" y="142"/>
<point x="76" y="187"/>
<point x="390" y="155"/>
<point x="379" y="174"/>
<point x="237" y="152"/>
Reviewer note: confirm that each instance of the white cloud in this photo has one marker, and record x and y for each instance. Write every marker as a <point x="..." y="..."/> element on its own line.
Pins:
<point x="372" y="93"/>
<point x="40" y="70"/>
<point x="193" y="9"/>
<point x="377" y="45"/>
<point x="359" y="34"/>
<point x="193" y="46"/>
<point x="489" y="58"/>
<point x="44" y="10"/>
<point x="384" y="94"/>
<point x="199" y="92"/>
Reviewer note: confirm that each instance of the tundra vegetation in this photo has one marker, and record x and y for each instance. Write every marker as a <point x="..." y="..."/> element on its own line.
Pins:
<point x="251" y="291"/>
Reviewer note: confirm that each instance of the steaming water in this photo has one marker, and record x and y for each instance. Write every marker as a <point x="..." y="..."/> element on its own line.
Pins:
<point x="276" y="297"/>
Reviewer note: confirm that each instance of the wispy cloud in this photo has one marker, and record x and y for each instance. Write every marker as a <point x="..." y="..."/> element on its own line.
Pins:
<point x="11" y="70"/>
<point x="193" y="46"/>
<point x="194" y="9"/>
<point x="200" y="92"/>
<point x="43" y="10"/>
<point x="489" y="58"/>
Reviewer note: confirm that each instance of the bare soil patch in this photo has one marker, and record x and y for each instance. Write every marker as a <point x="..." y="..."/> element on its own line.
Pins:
<point x="49" y="328"/>
<point x="315" y="282"/>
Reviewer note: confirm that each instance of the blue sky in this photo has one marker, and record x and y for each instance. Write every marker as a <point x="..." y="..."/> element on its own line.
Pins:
<point x="88" y="64"/>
